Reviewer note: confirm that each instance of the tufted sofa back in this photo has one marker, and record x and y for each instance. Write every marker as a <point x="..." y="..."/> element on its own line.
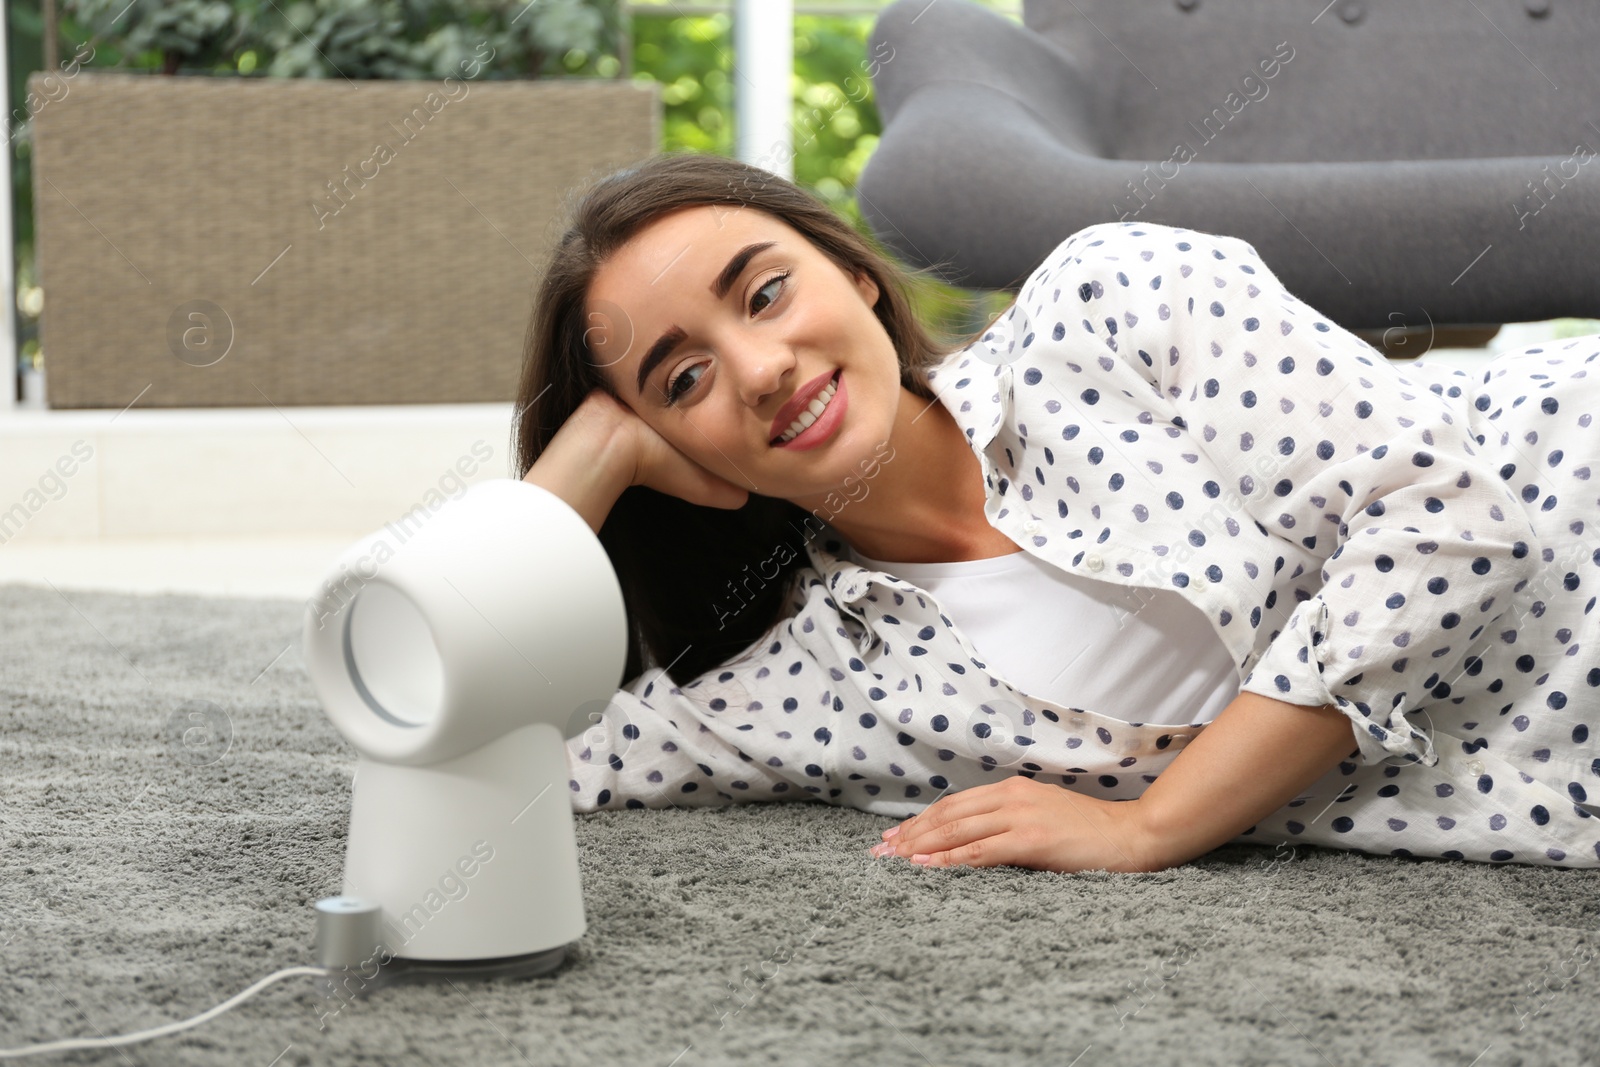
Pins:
<point x="1347" y="80"/>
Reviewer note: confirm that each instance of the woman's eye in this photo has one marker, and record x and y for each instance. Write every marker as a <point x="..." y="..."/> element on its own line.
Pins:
<point x="672" y="386"/>
<point x="673" y="393"/>
<point x="763" y="289"/>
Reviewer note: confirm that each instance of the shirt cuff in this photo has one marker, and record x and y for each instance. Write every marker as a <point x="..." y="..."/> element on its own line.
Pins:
<point x="1306" y="665"/>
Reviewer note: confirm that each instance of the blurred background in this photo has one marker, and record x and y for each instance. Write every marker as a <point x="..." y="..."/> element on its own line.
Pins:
<point x="685" y="48"/>
<point x="161" y="505"/>
<point x="254" y="491"/>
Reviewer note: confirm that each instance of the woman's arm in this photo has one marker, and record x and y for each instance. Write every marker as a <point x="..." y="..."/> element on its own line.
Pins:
<point x="603" y="448"/>
<point x="589" y="462"/>
<point x="1250" y="761"/>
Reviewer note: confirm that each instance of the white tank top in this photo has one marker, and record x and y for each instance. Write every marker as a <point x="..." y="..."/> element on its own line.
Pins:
<point x="1140" y="655"/>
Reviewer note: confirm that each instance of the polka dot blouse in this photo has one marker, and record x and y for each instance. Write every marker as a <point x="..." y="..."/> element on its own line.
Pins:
<point x="1412" y="544"/>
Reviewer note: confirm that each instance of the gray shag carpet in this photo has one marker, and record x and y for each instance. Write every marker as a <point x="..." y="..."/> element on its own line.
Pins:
<point x="139" y="886"/>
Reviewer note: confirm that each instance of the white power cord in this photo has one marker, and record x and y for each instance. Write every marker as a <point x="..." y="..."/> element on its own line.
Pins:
<point x="171" y="1028"/>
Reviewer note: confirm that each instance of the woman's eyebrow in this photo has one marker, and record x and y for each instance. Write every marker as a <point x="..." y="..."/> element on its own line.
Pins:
<point x="673" y="337"/>
<point x="659" y="351"/>
<point x="736" y="266"/>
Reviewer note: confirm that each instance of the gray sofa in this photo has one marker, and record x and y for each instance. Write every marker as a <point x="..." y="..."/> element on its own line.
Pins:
<point x="1397" y="163"/>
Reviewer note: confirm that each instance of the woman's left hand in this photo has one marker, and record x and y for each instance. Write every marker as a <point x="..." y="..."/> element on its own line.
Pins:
<point x="1022" y="822"/>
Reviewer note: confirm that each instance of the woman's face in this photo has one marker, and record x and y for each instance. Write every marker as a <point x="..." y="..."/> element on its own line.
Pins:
<point x="726" y="333"/>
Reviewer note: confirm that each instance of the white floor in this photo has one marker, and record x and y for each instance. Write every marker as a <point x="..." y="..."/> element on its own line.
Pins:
<point x="246" y="508"/>
<point x="252" y="502"/>
<point x="274" y="568"/>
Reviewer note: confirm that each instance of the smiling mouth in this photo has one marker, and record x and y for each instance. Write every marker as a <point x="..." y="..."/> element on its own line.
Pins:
<point x="785" y="437"/>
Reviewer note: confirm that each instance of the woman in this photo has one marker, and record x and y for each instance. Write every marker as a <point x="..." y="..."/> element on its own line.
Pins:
<point x="1214" y="567"/>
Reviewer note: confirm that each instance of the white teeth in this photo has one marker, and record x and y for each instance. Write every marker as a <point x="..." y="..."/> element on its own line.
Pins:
<point x="810" y="414"/>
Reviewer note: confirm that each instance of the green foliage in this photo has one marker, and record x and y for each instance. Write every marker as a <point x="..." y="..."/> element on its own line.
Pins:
<point x="835" y="124"/>
<point x="399" y="39"/>
<point x="1564" y="328"/>
<point x="436" y="38"/>
<point x="345" y="38"/>
<point x="692" y="59"/>
<point x="178" y="31"/>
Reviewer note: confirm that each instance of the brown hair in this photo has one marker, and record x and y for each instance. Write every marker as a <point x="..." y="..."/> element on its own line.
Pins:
<point x="676" y="560"/>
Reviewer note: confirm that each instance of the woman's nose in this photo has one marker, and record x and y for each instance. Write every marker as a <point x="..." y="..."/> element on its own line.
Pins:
<point x="760" y="372"/>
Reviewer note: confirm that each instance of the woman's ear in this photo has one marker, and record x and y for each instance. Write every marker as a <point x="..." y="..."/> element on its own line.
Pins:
<point x="867" y="288"/>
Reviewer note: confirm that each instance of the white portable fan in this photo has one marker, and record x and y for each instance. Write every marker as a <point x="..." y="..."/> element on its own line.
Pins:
<point x="452" y="657"/>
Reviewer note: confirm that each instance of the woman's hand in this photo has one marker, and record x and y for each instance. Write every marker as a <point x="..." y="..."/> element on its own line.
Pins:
<point x="1021" y="822"/>
<point x="659" y="465"/>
